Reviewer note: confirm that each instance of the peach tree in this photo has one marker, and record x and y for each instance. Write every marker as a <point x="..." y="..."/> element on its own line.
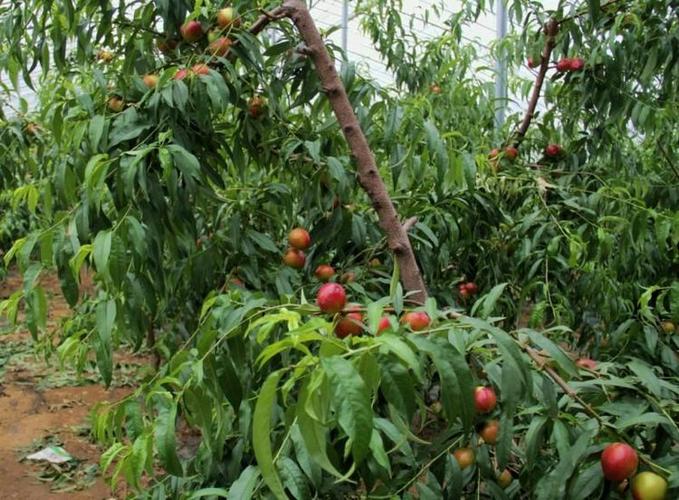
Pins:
<point x="181" y="141"/>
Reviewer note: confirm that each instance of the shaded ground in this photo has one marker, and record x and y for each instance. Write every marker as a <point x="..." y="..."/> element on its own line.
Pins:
<point x="41" y="404"/>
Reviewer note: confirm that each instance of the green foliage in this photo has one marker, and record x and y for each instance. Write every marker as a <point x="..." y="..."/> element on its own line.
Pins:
<point x="317" y="409"/>
<point x="180" y="202"/>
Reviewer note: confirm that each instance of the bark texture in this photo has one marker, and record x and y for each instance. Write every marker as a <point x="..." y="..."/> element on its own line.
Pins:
<point x="368" y="174"/>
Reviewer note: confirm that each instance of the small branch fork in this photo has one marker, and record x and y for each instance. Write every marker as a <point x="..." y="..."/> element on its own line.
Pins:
<point x="368" y="174"/>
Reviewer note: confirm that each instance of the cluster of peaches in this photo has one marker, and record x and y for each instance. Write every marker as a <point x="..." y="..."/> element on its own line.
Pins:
<point x="332" y="297"/>
<point x="511" y="153"/>
<point x="192" y="31"/>
<point x="485" y="401"/>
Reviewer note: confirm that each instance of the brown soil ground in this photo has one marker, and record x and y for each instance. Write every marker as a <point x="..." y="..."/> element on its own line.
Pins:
<point x="42" y="404"/>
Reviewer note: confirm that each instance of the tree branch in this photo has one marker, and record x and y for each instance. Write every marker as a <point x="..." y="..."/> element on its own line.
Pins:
<point x="409" y="223"/>
<point x="368" y="175"/>
<point x="267" y="18"/>
<point x="562" y="383"/>
<point x="551" y="29"/>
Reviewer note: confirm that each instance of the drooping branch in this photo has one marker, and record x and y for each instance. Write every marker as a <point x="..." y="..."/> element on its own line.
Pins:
<point x="551" y="30"/>
<point x="368" y="174"/>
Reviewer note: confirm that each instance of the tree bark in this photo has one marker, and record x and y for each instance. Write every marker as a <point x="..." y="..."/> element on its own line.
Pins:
<point x="368" y="174"/>
<point x="551" y="30"/>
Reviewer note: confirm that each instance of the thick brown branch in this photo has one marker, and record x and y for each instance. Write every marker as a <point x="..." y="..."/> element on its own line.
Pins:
<point x="551" y="29"/>
<point x="368" y="175"/>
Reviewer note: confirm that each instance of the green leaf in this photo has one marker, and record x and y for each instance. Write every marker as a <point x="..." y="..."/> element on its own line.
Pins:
<point x="16" y="247"/>
<point x="646" y="376"/>
<point x="36" y="310"/>
<point x="165" y="437"/>
<point x="555" y="352"/>
<point x="76" y="262"/>
<point x="261" y="434"/>
<point x="110" y="455"/>
<point x="594" y="9"/>
<point x="352" y="401"/>
<point x="211" y="492"/>
<point x="488" y="301"/>
<point x="647" y="419"/>
<point x="185" y="161"/>
<point x="378" y="451"/>
<point x="102" y="251"/>
<point x="127" y="126"/>
<point x="553" y="485"/>
<point x="180" y="94"/>
<point x="95" y="131"/>
<point x="504" y="444"/>
<point x="105" y="319"/>
<point x="10" y="307"/>
<point x="293" y="478"/>
<point x="309" y="466"/>
<point x="395" y="290"/>
<point x="533" y="440"/>
<point x="373" y="314"/>
<point x="453" y="476"/>
<point x="512" y="357"/>
<point x="586" y="483"/>
<point x="262" y="241"/>
<point x="457" y="388"/>
<point x="338" y="173"/>
<point x="314" y="435"/>
<point x="243" y="487"/>
<point x="392" y="343"/>
<point x="398" y="388"/>
<point x="437" y="147"/>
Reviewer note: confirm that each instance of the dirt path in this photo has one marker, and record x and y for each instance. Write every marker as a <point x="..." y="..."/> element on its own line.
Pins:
<point x="40" y="405"/>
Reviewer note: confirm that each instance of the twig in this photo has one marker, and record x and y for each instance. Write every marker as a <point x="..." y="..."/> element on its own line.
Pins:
<point x="562" y="383"/>
<point x="551" y="30"/>
<point x="267" y="18"/>
<point x="138" y="27"/>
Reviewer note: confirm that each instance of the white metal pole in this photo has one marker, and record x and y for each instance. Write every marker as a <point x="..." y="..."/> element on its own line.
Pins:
<point x="500" y="66"/>
<point x="345" y="24"/>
